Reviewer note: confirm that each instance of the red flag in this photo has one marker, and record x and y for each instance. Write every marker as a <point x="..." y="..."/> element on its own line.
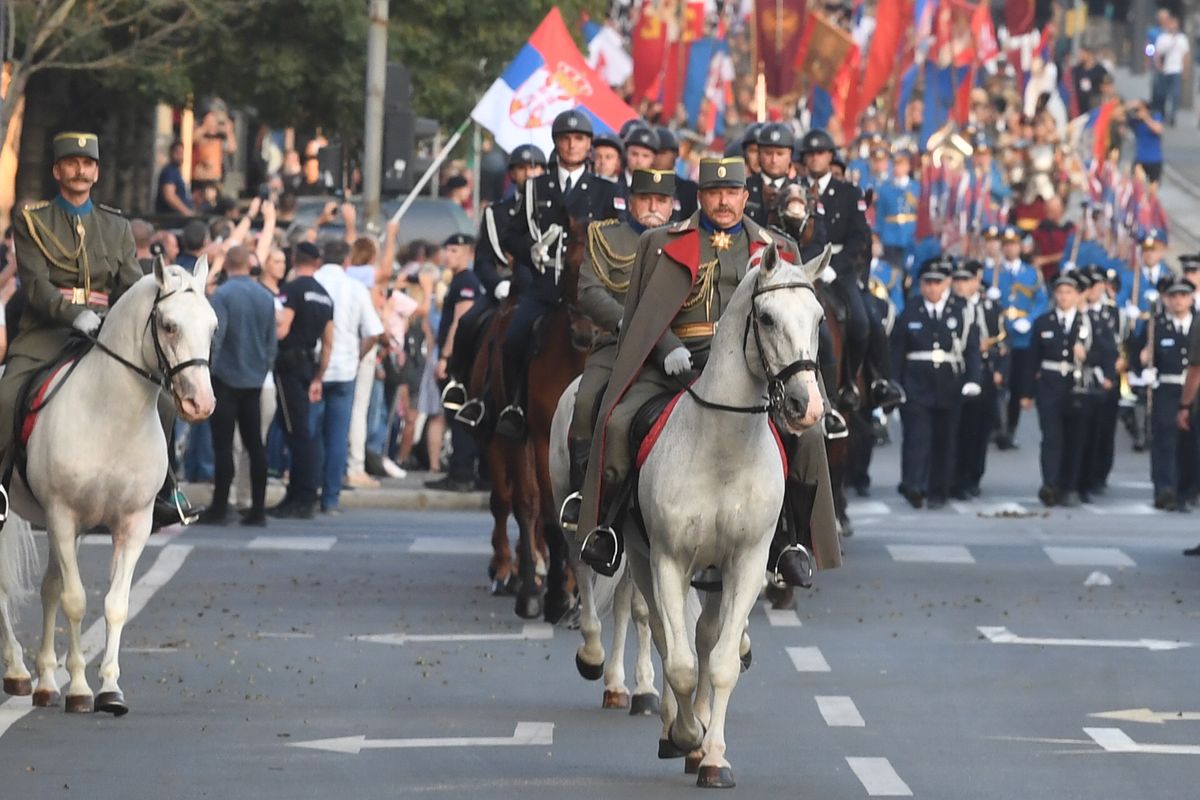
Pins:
<point x="780" y="26"/>
<point x="983" y="32"/>
<point x="823" y="51"/>
<point x="891" y="21"/>
<point x="845" y="94"/>
<point x="962" y="97"/>
<point x="1100" y="125"/>
<point x="649" y="47"/>
<point x="1019" y="16"/>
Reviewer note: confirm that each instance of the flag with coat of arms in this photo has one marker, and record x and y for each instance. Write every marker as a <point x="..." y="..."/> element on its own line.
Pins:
<point x="548" y="76"/>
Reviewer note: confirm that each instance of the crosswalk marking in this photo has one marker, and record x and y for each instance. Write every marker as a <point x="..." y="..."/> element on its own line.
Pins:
<point x="1001" y="507"/>
<point x="308" y="543"/>
<point x="839" y="712"/>
<point x="997" y="508"/>
<point x="931" y="553"/>
<point x="878" y="777"/>
<point x="1137" y="509"/>
<point x="451" y="546"/>
<point x="781" y="617"/>
<point x="868" y="508"/>
<point x="808" y="659"/>
<point x="1089" y="557"/>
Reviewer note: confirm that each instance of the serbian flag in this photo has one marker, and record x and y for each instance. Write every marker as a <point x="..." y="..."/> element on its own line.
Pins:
<point x="606" y="52"/>
<point x="547" y="77"/>
<point x="1100" y="123"/>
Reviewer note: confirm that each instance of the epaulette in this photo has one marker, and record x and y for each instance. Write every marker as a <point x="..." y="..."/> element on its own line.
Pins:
<point x="38" y="206"/>
<point x="110" y="209"/>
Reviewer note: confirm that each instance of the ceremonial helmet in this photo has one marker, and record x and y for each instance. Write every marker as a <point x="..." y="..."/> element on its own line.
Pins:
<point x="817" y="141"/>
<point x="629" y="124"/>
<point x="643" y="137"/>
<point x="607" y="139"/>
<point x="571" y="121"/>
<point x="526" y="155"/>
<point x="750" y="135"/>
<point x="776" y="134"/>
<point x="666" y="140"/>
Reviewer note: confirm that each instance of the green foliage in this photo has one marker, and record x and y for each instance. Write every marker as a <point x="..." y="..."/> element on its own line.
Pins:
<point x="456" y="48"/>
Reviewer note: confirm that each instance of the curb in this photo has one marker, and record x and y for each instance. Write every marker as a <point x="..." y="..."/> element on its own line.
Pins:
<point x="391" y="498"/>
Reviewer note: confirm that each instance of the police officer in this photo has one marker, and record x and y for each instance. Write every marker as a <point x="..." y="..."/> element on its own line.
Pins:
<point x="75" y="256"/>
<point x="603" y="280"/>
<point x="1102" y="421"/>
<point x="568" y="192"/>
<point x="685" y="188"/>
<point x="493" y="269"/>
<point x="641" y="148"/>
<point x="935" y="355"/>
<point x="775" y="141"/>
<point x="1165" y="352"/>
<point x="978" y="417"/>
<point x="843" y="213"/>
<point x="1022" y="294"/>
<point x="1063" y="354"/>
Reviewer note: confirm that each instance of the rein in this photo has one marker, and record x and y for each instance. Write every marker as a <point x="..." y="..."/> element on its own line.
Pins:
<point x="166" y="369"/>
<point x="775" y="380"/>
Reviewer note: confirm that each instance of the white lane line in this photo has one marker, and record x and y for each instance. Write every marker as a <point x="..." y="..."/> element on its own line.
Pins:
<point x="839" y="712"/>
<point x="530" y="631"/>
<point x="1122" y="509"/>
<point x="1115" y="740"/>
<point x="931" y="553"/>
<point x="283" y="635"/>
<point x="1001" y="635"/>
<point x="169" y="560"/>
<point x="450" y="546"/>
<point x="1089" y="557"/>
<point x="781" y="617"/>
<point x="869" y="508"/>
<point x="878" y="777"/>
<point x="808" y="659"/>
<point x="319" y="544"/>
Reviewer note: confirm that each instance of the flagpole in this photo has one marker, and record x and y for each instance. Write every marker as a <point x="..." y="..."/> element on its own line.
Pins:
<point x="433" y="168"/>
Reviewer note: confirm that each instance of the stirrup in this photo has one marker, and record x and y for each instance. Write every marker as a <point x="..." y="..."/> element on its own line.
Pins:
<point x="843" y="432"/>
<point x="185" y="518"/>
<point x="454" y="396"/>
<point x="888" y="405"/>
<point x="3" y="504"/>
<point x="518" y="426"/>
<point x="806" y="581"/>
<point x="607" y="568"/>
<point x="577" y="499"/>
<point x="471" y="413"/>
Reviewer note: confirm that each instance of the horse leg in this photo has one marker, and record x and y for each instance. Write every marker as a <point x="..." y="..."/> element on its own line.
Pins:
<point x="589" y="658"/>
<point x="47" y="660"/>
<point x="501" y="568"/>
<point x="615" y="693"/>
<point x="742" y="583"/>
<point x="671" y="586"/>
<point x="708" y="627"/>
<point x="64" y="528"/>
<point x="668" y="710"/>
<point x="645" y="696"/>
<point x="128" y="544"/>
<point x="17" y="680"/>
<point x="529" y="596"/>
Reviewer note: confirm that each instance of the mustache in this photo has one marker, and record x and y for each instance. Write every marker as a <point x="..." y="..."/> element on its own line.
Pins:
<point x="652" y="219"/>
<point x="725" y="208"/>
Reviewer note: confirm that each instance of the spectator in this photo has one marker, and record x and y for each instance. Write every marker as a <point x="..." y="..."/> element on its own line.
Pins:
<point x="244" y="350"/>
<point x="143" y="234"/>
<point x="307" y="317"/>
<point x="356" y="331"/>
<point x="1147" y="129"/>
<point x="417" y="342"/>
<point x="192" y="242"/>
<point x="1088" y="75"/>
<point x="1170" y="57"/>
<point x="173" y="196"/>
<point x="458" y="189"/>
<point x="213" y="141"/>
<point x="291" y="174"/>
<point x="166" y="244"/>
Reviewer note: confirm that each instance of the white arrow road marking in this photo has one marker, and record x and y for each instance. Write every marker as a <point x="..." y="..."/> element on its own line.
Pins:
<point x="1115" y="740"/>
<point x="531" y="631"/>
<point x="1148" y="716"/>
<point x="526" y="734"/>
<point x="1005" y="636"/>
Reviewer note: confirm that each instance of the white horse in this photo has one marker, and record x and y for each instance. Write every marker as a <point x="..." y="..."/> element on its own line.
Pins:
<point x="710" y="492"/>
<point x="599" y="595"/>
<point x="97" y="456"/>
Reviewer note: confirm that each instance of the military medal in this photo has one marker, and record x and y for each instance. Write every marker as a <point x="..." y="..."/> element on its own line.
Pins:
<point x="721" y="240"/>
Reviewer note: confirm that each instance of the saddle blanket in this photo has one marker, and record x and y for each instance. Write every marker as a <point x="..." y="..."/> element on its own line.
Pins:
<point x="31" y="413"/>
<point x="656" y="430"/>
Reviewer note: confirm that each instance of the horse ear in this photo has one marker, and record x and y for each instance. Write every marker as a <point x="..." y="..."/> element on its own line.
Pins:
<point x="160" y="271"/>
<point x="814" y="268"/>
<point x="770" y="260"/>
<point x="200" y="276"/>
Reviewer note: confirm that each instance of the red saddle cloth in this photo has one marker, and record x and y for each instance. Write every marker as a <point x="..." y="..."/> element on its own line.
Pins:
<point x="31" y="414"/>
<point x="648" y="443"/>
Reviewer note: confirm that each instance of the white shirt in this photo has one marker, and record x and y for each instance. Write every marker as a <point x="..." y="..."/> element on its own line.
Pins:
<point x="1173" y="47"/>
<point x="935" y="309"/>
<point x="823" y="182"/>
<point x="574" y="176"/>
<point x="1065" y="318"/>
<point x="1183" y="325"/>
<point x="354" y="319"/>
<point x="1014" y="266"/>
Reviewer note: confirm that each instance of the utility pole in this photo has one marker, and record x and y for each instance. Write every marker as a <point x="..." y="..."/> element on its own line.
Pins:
<point x="373" y="125"/>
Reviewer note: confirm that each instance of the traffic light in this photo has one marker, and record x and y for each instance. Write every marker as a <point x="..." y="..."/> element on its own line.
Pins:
<point x="407" y="138"/>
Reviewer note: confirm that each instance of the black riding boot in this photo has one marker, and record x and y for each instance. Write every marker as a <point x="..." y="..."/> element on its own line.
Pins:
<point x="792" y="560"/>
<point x="171" y="507"/>
<point x="885" y="394"/>
<point x="568" y="516"/>
<point x="511" y="422"/>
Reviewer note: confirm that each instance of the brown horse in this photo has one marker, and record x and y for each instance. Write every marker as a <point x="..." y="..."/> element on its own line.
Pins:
<point x="840" y="450"/>
<point x="520" y="470"/>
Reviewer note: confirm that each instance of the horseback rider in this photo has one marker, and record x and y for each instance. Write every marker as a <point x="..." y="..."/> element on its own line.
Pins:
<point x="570" y="191"/>
<point x="74" y="258"/>
<point x="686" y="273"/>
<point x="603" y="281"/>
<point x="775" y="142"/>
<point x="493" y="268"/>
<point x="843" y="211"/>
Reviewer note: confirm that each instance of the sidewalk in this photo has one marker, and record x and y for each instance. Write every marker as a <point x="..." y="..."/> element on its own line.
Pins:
<point x="398" y="494"/>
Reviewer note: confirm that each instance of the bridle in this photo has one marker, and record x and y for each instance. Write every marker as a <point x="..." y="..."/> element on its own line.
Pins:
<point x="775" y="380"/>
<point x="166" y="370"/>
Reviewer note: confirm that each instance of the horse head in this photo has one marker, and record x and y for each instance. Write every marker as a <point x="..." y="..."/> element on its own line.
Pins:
<point x="583" y="331"/>
<point x="181" y="325"/>
<point x="785" y="318"/>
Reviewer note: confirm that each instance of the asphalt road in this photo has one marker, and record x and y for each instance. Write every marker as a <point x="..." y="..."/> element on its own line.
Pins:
<point x="908" y="672"/>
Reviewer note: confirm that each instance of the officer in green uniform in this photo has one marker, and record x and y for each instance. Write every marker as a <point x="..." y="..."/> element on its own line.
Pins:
<point x="74" y="258"/>
<point x="603" y="280"/>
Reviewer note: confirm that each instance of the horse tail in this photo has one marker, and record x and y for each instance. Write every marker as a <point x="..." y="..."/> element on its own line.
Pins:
<point x="18" y="560"/>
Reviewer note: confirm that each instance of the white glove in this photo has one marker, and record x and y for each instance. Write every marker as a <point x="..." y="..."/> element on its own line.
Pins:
<point x="993" y="293"/>
<point x="1132" y="312"/>
<point x="540" y="252"/>
<point x="828" y="275"/>
<point x="1022" y="325"/>
<point x="501" y="290"/>
<point x="88" y="321"/>
<point x="971" y="389"/>
<point x="1151" y="296"/>
<point x="1150" y="376"/>
<point x="1068" y="266"/>
<point x="677" y="361"/>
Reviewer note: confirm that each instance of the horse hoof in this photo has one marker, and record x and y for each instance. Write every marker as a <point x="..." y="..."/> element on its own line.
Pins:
<point x="715" y="778"/>
<point x="643" y="705"/>
<point x="112" y="703"/>
<point x="18" y="687"/>
<point x="615" y="699"/>
<point x="529" y="606"/>
<point x="667" y="749"/>
<point x="589" y="672"/>
<point x="691" y="764"/>
<point x="491" y="572"/>
<point x="79" y="704"/>
<point x="45" y="699"/>
<point x="505" y="588"/>
<point x="747" y="659"/>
